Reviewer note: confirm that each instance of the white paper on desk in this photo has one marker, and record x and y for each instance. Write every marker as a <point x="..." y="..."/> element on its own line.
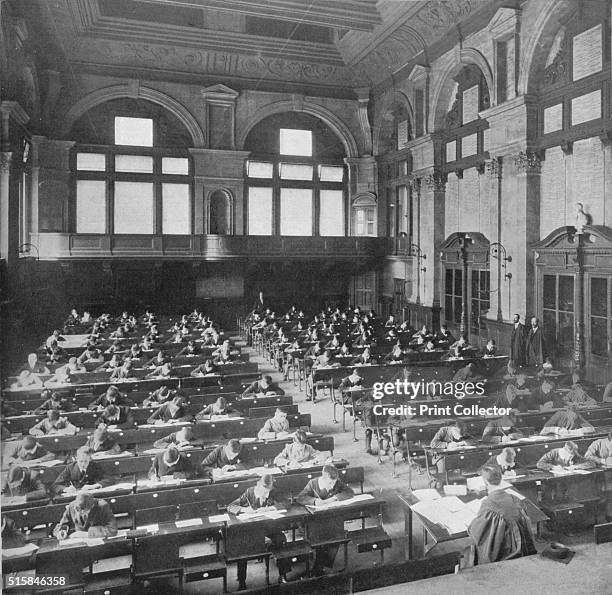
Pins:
<point x="560" y="471"/>
<point x="149" y="528"/>
<point x="188" y="522"/>
<point x="152" y="451"/>
<point x="582" y="471"/>
<point x="455" y="490"/>
<point x="476" y="484"/>
<point x="246" y="440"/>
<point x="218" y="518"/>
<point x="111" y="455"/>
<point x="15" y="552"/>
<point x="426" y="494"/>
<point x="474" y="505"/>
<point x="249" y="516"/>
<point x="337" y="503"/>
<point x="126" y="485"/>
<point x="35" y="463"/>
<point x="14" y="500"/>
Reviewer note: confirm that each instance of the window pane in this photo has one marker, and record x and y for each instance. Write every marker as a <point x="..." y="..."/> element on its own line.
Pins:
<point x="599" y="336"/>
<point x="296" y="212"/>
<point x="402" y="200"/>
<point x="331" y="173"/>
<point x="566" y="332"/>
<point x="549" y="292"/>
<point x="134" y="207"/>
<point x="134" y="164"/>
<point x="134" y="131"/>
<point x="259" y="169"/>
<point x="175" y="165"/>
<point x="176" y="209"/>
<point x="599" y="297"/>
<point x="295" y="171"/>
<point x="295" y="142"/>
<point x="331" y="222"/>
<point x="458" y="275"/>
<point x="566" y="293"/>
<point x="91" y="206"/>
<point x="91" y="161"/>
<point x="448" y="284"/>
<point x="260" y="211"/>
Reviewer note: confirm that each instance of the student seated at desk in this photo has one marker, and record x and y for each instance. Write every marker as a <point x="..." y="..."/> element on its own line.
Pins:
<point x="191" y="349"/>
<point x="506" y="460"/>
<point x="467" y="373"/>
<point x="27" y="380"/>
<point x="395" y="355"/>
<point x="323" y="360"/>
<point x="567" y="419"/>
<point x="600" y="451"/>
<point x="55" y="337"/>
<point x="81" y="474"/>
<point x="205" y="369"/>
<point x="223" y="354"/>
<point x="460" y="348"/>
<point x="90" y="355"/>
<point x="501" y="430"/>
<point x="159" y="396"/>
<point x="544" y="397"/>
<point x="577" y="394"/>
<point x="53" y="401"/>
<point x="159" y="360"/>
<point x="116" y="415"/>
<point x="444" y="338"/>
<point x="275" y="425"/>
<point x="299" y="451"/>
<point x="314" y="351"/>
<point x="264" y="386"/>
<point x="163" y="371"/>
<point x="353" y="380"/>
<point x="171" y="411"/>
<point x="99" y="442"/>
<point x="171" y="462"/>
<point x="29" y="450"/>
<point x="453" y="436"/>
<point x="607" y="393"/>
<point x="181" y="439"/>
<point x="365" y="359"/>
<point x="490" y="349"/>
<point x="12" y="537"/>
<point x="147" y="345"/>
<point x="86" y="516"/>
<point x="502" y="529"/>
<point x="225" y="457"/>
<point x="34" y="366"/>
<point x="21" y="482"/>
<point x="112" y="396"/>
<point x="62" y="376"/>
<point x="74" y="366"/>
<point x="112" y="364"/>
<point x="327" y="488"/>
<point x="135" y="352"/>
<point x="260" y="497"/>
<point x="219" y="407"/>
<point x="124" y="372"/>
<point x="53" y="424"/>
<point x="567" y="456"/>
<point x="517" y="395"/>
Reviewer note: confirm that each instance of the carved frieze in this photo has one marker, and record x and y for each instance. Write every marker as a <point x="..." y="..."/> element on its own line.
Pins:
<point x="528" y="162"/>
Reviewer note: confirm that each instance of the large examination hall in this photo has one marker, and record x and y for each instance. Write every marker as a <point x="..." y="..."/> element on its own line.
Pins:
<point x="306" y="297"/>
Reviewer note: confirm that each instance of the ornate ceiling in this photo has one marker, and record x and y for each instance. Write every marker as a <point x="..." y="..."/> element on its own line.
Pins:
<point x="328" y="44"/>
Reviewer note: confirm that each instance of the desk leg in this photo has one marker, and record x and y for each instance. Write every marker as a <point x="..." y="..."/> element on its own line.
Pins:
<point x="408" y="528"/>
<point x="267" y="570"/>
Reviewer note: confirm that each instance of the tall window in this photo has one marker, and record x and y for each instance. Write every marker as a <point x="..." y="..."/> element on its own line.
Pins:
<point x="481" y="287"/>
<point x="558" y="312"/>
<point x="601" y="315"/>
<point x="295" y="179"/>
<point x="452" y="294"/>
<point x="134" y="185"/>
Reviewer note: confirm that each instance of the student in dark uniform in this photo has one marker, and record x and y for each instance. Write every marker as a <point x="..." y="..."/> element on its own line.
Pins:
<point x="260" y="497"/>
<point x="171" y="462"/>
<point x="87" y="515"/>
<point x="81" y="473"/>
<point x="22" y="482"/>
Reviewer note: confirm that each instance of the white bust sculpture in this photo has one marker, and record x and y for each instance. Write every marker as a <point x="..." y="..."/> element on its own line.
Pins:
<point x="581" y="218"/>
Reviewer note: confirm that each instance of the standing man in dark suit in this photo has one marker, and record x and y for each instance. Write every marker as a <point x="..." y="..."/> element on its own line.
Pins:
<point x="535" y="344"/>
<point x="517" y="342"/>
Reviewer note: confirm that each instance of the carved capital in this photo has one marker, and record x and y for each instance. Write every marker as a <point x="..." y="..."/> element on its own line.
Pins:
<point x="435" y="181"/>
<point x="567" y="147"/>
<point x="528" y="162"/>
<point x="414" y="183"/>
<point x="5" y="161"/>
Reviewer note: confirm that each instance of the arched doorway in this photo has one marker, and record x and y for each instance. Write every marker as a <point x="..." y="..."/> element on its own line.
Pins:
<point x="219" y="220"/>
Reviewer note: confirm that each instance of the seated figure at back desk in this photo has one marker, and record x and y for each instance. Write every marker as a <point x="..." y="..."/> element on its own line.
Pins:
<point x="219" y="407"/>
<point x="53" y="424"/>
<point x="600" y="451"/>
<point x="505" y="460"/>
<point x="86" y="517"/>
<point x="181" y="439"/>
<point x="12" y="537"/>
<point x="228" y="457"/>
<point x="28" y="450"/>
<point x="27" y="379"/>
<point x="279" y="424"/>
<point x="112" y="396"/>
<point x="566" y="420"/>
<point x="501" y="430"/>
<point x="125" y="372"/>
<point x="83" y="473"/>
<point x="319" y="491"/>
<point x="34" y="366"/>
<point x="516" y="396"/>
<point x="467" y="373"/>
<point x="297" y="452"/>
<point x="207" y="368"/>
<point x="171" y="462"/>
<point x="163" y="371"/>
<point x="53" y="400"/>
<point x="577" y="395"/>
<point x="158" y="397"/>
<point x="565" y="457"/>
<point x="117" y="415"/>
<point x="264" y="386"/>
<point x="22" y="483"/>
<point x="173" y="411"/>
<point x="451" y="438"/>
<point x="100" y="443"/>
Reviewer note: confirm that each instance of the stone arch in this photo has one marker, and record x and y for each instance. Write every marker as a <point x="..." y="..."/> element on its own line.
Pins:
<point x="395" y="98"/>
<point x="120" y="91"/>
<point x="334" y="122"/>
<point x="444" y="85"/>
<point x="220" y="210"/>
<point x="537" y="47"/>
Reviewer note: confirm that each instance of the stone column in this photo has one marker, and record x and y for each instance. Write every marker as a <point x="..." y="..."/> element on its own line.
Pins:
<point x="5" y="173"/>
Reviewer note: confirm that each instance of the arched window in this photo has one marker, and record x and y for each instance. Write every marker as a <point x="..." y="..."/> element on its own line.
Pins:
<point x="220" y="213"/>
<point x="132" y="172"/>
<point x="364" y="215"/>
<point x="295" y="178"/>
